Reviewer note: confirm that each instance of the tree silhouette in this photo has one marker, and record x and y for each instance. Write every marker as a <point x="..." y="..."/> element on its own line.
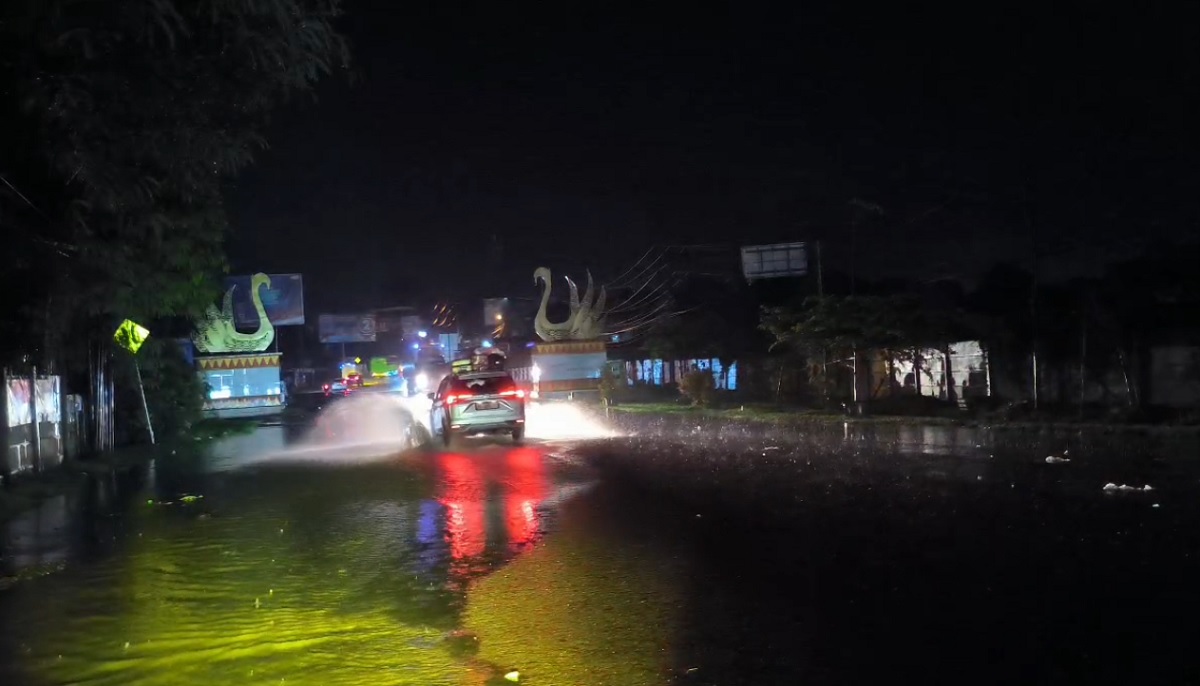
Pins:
<point x="122" y="122"/>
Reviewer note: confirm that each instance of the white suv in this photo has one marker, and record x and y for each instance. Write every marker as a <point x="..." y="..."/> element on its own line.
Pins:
<point x="477" y="403"/>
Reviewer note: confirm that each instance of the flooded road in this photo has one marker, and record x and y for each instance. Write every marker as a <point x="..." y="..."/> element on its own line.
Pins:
<point x="329" y="572"/>
<point x="840" y="558"/>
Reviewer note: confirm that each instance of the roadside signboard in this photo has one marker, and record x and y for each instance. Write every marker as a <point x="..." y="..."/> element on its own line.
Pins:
<point x="774" y="261"/>
<point x="283" y="302"/>
<point x="131" y="335"/>
<point x="346" y="328"/>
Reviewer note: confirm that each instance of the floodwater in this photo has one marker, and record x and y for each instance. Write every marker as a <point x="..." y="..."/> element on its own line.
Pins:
<point x="284" y="557"/>
<point x="677" y="554"/>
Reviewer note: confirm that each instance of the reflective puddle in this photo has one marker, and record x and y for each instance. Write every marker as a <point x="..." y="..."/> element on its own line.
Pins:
<point x="328" y="573"/>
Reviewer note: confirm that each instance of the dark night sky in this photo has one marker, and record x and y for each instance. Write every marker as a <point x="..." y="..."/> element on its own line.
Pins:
<point x="580" y="134"/>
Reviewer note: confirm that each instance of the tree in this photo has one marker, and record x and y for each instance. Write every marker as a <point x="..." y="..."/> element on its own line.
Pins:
<point x="825" y="328"/>
<point x="900" y="327"/>
<point x="124" y="119"/>
<point x="1139" y="300"/>
<point x="1000" y="304"/>
<point x="714" y="318"/>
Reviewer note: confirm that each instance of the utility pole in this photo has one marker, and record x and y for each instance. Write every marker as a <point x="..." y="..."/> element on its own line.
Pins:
<point x="4" y="430"/>
<point x="36" y="427"/>
<point x="820" y="273"/>
<point x="853" y="255"/>
<point x="1033" y="296"/>
<point x="859" y="210"/>
<point x="853" y="287"/>
<point x="824" y="350"/>
<point x="1082" y="358"/>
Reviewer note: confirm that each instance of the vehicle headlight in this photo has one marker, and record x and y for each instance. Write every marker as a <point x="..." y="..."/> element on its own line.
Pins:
<point x="422" y="381"/>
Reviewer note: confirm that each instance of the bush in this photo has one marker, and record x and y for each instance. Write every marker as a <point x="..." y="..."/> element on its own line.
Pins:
<point x="698" y="387"/>
<point x="174" y="392"/>
<point x="611" y="383"/>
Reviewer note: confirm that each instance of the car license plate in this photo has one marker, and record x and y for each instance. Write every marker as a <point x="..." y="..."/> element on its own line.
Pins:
<point x="487" y="405"/>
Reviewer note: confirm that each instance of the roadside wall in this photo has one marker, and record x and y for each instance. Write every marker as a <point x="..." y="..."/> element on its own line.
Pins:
<point x="42" y="426"/>
<point x="656" y="372"/>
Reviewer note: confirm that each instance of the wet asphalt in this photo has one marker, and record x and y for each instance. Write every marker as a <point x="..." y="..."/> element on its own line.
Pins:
<point x="678" y="553"/>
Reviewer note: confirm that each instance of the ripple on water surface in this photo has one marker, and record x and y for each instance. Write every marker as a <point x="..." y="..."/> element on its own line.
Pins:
<point x="357" y="581"/>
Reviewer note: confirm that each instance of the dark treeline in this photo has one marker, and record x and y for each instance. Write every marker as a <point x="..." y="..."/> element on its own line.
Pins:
<point x="120" y="123"/>
<point x="1093" y="338"/>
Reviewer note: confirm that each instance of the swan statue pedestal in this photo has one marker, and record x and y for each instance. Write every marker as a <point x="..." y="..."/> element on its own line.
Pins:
<point x="568" y="368"/>
<point x="573" y="354"/>
<point x="241" y="378"/>
<point x="248" y="385"/>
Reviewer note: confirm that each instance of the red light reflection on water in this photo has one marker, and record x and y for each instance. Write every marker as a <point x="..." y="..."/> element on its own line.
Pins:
<point x="520" y="477"/>
<point x="525" y="487"/>
<point x="464" y="499"/>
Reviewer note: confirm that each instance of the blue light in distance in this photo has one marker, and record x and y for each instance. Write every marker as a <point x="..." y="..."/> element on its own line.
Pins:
<point x="487" y="344"/>
<point x="416" y="346"/>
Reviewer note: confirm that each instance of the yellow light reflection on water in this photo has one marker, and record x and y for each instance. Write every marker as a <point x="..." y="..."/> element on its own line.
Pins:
<point x="222" y="602"/>
<point x="578" y="610"/>
<point x="344" y="580"/>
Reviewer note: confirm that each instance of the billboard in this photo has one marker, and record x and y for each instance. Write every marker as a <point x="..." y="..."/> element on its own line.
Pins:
<point x="17" y="397"/>
<point x="495" y="310"/>
<point x="391" y="321"/>
<point x="346" y="328"/>
<point x="49" y="399"/>
<point x="411" y="325"/>
<point x="773" y="261"/>
<point x="283" y="301"/>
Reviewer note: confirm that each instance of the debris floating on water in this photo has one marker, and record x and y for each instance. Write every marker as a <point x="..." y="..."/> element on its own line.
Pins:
<point x="1110" y="487"/>
<point x="1054" y="459"/>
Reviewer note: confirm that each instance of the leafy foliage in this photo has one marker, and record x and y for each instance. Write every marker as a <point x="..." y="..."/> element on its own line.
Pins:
<point x="699" y="387"/>
<point x="610" y="384"/>
<point x="135" y="114"/>
<point x="716" y="319"/>
<point x="174" y="392"/>
<point x="841" y="323"/>
<point x="122" y="122"/>
<point x="141" y="110"/>
<point x="834" y="327"/>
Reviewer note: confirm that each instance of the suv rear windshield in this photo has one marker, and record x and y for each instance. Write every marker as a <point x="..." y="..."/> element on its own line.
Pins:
<point x="483" y="385"/>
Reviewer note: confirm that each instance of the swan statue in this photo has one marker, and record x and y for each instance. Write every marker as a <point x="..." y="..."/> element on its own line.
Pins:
<point x="586" y="315"/>
<point x="546" y="329"/>
<point x="217" y="333"/>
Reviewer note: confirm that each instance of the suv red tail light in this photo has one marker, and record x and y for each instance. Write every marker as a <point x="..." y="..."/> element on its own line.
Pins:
<point x="513" y="393"/>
